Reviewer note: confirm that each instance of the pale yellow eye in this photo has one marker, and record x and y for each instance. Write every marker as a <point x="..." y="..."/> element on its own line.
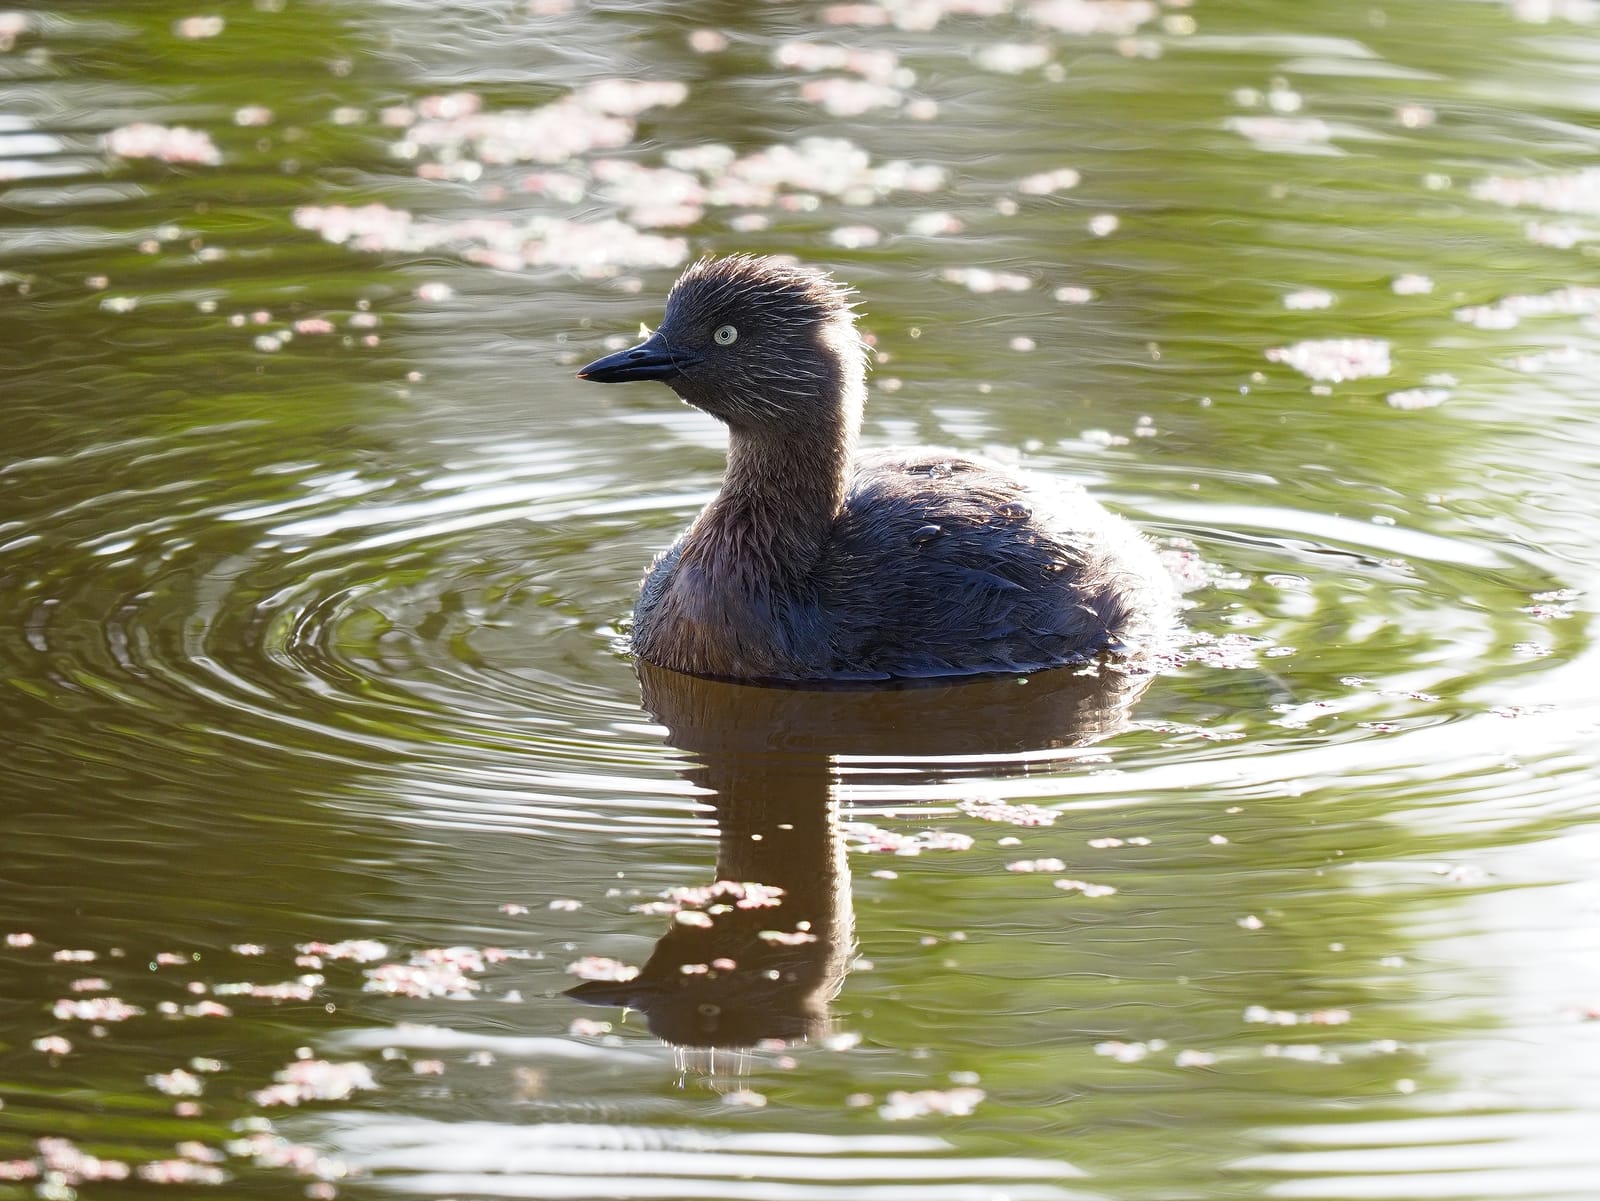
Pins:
<point x="726" y="335"/>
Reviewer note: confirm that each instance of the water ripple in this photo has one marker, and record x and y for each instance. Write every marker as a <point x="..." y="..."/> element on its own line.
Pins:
<point x="372" y="616"/>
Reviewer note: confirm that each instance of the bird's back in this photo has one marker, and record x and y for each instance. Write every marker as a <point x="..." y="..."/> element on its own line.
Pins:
<point x="943" y="565"/>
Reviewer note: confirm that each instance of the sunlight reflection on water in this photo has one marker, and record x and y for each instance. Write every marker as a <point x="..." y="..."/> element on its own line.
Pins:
<point x="318" y="562"/>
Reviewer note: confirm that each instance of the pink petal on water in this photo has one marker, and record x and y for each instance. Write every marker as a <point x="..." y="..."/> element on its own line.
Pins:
<point x="95" y="1009"/>
<point x="1571" y="192"/>
<point x="1046" y="182"/>
<point x="955" y="1102"/>
<point x="1283" y="133"/>
<point x="1418" y="398"/>
<point x="864" y="836"/>
<point x="1335" y="359"/>
<point x="1128" y="1052"/>
<point x="1012" y="58"/>
<point x="315" y="1080"/>
<point x="181" y="1171"/>
<point x="289" y="990"/>
<point x="981" y="279"/>
<point x="707" y="41"/>
<point x="787" y="938"/>
<point x="994" y="810"/>
<point x="1084" y="887"/>
<point x="1308" y="298"/>
<point x="1036" y="865"/>
<point x="12" y="26"/>
<point x="421" y="980"/>
<point x="177" y="1083"/>
<point x="269" y="1150"/>
<point x="849" y="97"/>
<point x="169" y="144"/>
<point x="935" y="224"/>
<point x="1509" y="311"/>
<point x="62" y="1158"/>
<point x="855" y="14"/>
<point x="1085" y="17"/>
<point x="361" y="950"/>
<point x="199" y="27"/>
<point x="876" y="65"/>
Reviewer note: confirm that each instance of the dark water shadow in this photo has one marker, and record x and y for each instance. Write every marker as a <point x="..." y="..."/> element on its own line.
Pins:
<point x="759" y="953"/>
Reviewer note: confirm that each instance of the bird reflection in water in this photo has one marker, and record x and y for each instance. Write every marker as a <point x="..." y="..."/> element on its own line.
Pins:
<point x="756" y="956"/>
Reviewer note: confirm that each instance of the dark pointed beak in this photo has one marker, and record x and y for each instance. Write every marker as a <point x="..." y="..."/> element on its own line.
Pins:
<point x="631" y="993"/>
<point x="651" y="359"/>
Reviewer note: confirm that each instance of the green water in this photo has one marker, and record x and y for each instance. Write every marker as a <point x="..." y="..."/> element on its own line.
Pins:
<point x="315" y="561"/>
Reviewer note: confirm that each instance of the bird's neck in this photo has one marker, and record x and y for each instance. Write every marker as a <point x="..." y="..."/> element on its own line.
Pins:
<point x="780" y="495"/>
<point x="769" y="525"/>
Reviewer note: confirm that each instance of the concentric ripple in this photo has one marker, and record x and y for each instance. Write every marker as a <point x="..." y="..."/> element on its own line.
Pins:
<point x="473" y="614"/>
<point x="325" y="774"/>
<point x="354" y="618"/>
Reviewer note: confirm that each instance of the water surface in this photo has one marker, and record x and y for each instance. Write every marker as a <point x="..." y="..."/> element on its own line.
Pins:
<point x="325" y="763"/>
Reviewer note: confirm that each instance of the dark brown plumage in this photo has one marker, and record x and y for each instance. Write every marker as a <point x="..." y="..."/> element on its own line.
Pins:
<point x="812" y="565"/>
